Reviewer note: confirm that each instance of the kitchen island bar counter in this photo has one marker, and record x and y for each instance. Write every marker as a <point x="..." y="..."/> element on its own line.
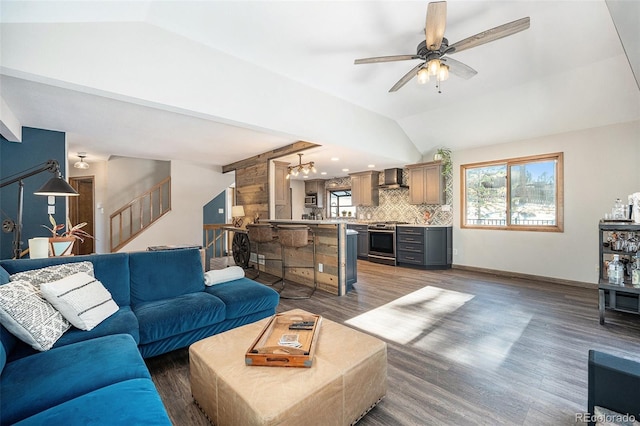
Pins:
<point x="331" y="255"/>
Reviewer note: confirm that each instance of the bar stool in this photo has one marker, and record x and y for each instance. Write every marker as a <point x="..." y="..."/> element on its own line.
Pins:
<point x="261" y="233"/>
<point x="296" y="236"/>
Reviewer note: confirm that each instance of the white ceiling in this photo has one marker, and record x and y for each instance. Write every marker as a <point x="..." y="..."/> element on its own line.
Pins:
<point x="219" y="81"/>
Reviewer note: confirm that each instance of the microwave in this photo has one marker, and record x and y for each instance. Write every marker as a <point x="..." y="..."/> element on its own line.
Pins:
<point x="311" y="200"/>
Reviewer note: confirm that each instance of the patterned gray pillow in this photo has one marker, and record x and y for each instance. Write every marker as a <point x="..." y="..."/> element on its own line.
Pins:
<point x="52" y="273"/>
<point x="29" y="317"/>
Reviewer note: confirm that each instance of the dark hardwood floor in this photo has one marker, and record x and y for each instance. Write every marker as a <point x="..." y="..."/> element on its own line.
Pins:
<point x="464" y="348"/>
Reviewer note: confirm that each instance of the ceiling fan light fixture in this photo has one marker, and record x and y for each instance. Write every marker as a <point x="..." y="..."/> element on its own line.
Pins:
<point x="423" y="76"/>
<point x="443" y="72"/>
<point x="434" y="67"/>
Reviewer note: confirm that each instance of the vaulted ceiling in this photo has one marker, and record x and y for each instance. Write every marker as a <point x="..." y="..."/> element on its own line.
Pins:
<point x="219" y="81"/>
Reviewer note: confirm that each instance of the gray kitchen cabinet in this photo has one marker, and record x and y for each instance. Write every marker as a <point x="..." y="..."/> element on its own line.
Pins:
<point x="314" y="186"/>
<point x="424" y="247"/>
<point x="364" y="188"/>
<point x="363" y="239"/>
<point x="426" y="183"/>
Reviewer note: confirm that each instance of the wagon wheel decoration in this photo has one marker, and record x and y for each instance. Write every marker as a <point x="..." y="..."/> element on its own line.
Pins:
<point x="241" y="249"/>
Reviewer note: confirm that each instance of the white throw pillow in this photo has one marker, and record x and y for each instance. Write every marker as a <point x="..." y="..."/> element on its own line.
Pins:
<point x="218" y="276"/>
<point x="29" y="317"/>
<point x="52" y="273"/>
<point x="81" y="299"/>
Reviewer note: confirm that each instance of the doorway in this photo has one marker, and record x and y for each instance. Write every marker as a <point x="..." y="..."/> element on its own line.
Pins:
<point x="81" y="210"/>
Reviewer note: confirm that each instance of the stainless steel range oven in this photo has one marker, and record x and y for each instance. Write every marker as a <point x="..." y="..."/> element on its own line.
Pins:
<point x="382" y="243"/>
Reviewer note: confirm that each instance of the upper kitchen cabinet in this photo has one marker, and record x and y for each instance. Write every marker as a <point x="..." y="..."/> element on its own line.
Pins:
<point x="364" y="188"/>
<point x="314" y="188"/>
<point x="426" y="183"/>
<point x="281" y="184"/>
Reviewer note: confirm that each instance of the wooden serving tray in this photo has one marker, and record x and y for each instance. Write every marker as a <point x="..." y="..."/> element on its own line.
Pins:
<point x="267" y="349"/>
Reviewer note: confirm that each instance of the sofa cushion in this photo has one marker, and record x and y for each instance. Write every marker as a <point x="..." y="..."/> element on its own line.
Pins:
<point x="185" y="339"/>
<point x="132" y="402"/>
<point x="244" y="296"/>
<point x="38" y="382"/>
<point x="3" y="357"/>
<point x="163" y="274"/>
<point x="169" y="317"/>
<point x="52" y="273"/>
<point x="29" y="317"/>
<point x="111" y="269"/>
<point x="81" y="299"/>
<point x="4" y="276"/>
<point x="122" y="322"/>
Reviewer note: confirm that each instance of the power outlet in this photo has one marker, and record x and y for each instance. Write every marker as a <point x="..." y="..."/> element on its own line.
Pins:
<point x="320" y="267"/>
<point x="455" y="252"/>
<point x="261" y="259"/>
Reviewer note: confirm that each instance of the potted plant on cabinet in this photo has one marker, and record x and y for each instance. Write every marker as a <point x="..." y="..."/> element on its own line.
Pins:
<point x="444" y="155"/>
<point x="62" y="245"/>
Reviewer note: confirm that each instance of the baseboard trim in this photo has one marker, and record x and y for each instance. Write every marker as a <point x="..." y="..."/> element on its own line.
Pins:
<point x="508" y="274"/>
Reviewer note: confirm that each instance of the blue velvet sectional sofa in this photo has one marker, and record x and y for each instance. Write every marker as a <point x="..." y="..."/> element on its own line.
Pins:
<point x="99" y="376"/>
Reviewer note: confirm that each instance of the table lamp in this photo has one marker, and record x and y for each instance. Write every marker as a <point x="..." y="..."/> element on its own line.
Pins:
<point x="237" y="212"/>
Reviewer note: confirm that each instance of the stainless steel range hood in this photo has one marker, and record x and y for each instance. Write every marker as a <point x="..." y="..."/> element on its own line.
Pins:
<point x="393" y="179"/>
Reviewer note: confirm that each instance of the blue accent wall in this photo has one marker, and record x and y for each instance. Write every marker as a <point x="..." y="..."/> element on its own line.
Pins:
<point x="210" y="215"/>
<point x="37" y="147"/>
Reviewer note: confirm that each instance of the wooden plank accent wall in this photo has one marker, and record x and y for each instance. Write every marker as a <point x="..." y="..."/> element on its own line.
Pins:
<point x="252" y="178"/>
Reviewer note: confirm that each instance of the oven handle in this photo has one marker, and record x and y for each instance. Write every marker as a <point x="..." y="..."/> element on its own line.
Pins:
<point x="377" y="256"/>
<point x="382" y="231"/>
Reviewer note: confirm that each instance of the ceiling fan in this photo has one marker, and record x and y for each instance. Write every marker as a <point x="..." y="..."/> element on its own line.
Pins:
<point x="433" y="50"/>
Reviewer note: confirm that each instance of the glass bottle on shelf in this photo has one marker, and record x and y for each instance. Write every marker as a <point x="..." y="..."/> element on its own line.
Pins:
<point x="616" y="271"/>
<point x="635" y="271"/>
<point x="618" y="209"/>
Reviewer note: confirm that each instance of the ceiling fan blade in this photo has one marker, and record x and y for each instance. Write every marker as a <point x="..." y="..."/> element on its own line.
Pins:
<point x="489" y="35"/>
<point x="436" y="22"/>
<point x="459" y="69"/>
<point x="385" y="59"/>
<point x="406" y="78"/>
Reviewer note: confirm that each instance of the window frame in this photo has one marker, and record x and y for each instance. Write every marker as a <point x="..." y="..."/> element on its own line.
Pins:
<point x="558" y="157"/>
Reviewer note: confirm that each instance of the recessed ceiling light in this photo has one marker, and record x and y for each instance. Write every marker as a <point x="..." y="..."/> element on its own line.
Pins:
<point x="335" y="159"/>
<point x="371" y="166"/>
<point x="323" y="173"/>
<point x="345" y="170"/>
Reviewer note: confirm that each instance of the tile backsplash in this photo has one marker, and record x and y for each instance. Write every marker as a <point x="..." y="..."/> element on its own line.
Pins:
<point x="394" y="204"/>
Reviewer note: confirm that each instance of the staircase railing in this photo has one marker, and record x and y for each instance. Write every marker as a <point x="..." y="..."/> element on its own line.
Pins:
<point x="138" y="214"/>
<point x="215" y="242"/>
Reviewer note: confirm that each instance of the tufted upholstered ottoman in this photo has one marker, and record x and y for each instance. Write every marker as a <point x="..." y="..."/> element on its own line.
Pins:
<point x="347" y="379"/>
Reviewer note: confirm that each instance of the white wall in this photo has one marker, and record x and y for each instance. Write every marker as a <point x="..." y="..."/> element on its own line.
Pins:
<point x="128" y="178"/>
<point x="192" y="186"/>
<point x="600" y="165"/>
